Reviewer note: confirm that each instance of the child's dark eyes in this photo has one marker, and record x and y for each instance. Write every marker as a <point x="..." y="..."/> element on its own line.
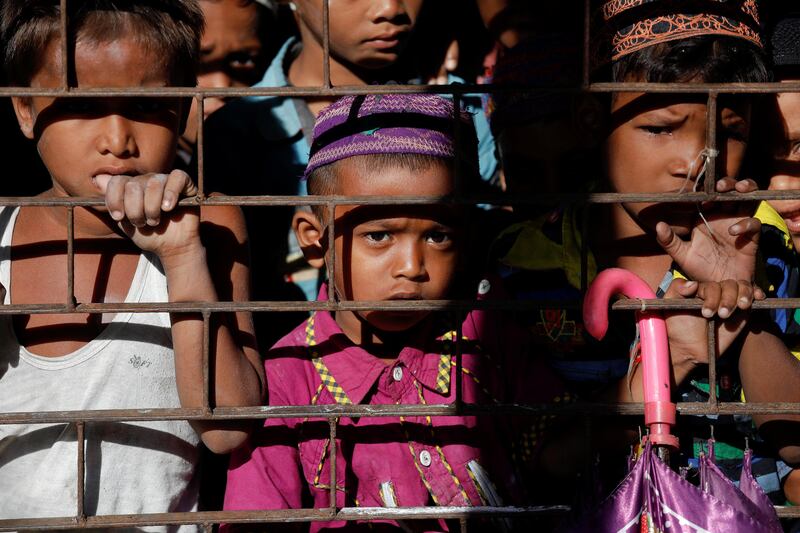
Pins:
<point x="242" y="61"/>
<point x="377" y="236"/>
<point x="439" y="237"/>
<point x="657" y="129"/>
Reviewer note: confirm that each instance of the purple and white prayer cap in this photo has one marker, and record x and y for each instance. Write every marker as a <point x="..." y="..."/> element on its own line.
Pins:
<point x="385" y="124"/>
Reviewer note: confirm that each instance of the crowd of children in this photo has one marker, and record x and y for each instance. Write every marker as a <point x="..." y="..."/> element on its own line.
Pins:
<point x="137" y="153"/>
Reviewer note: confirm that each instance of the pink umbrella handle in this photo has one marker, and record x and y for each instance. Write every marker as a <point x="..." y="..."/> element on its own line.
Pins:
<point x="659" y="411"/>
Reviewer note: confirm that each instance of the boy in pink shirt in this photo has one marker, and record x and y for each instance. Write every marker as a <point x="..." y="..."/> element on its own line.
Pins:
<point x="388" y="146"/>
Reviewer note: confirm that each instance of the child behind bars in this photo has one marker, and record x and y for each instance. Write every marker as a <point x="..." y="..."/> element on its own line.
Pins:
<point x="387" y="146"/>
<point x="139" y="247"/>
<point x="657" y="144"/>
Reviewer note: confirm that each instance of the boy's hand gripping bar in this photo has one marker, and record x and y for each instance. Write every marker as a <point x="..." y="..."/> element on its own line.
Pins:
<point x="659" y="411"/>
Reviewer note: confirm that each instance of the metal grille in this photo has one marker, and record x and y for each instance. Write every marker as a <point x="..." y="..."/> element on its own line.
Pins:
<point x="332" y="413"/>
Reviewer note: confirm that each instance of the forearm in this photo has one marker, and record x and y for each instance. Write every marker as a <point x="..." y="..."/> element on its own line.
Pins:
<point x="770" y="373"/>
<point x="236" y="382"/>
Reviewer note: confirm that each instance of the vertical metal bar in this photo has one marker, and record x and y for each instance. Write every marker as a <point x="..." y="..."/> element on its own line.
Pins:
<point x="206" y="360"/>
<point x="463" y="522"/>
<point x="200" y="147"/>
<point x="332" y="450"/>
<point x="711" y="144"/>
<point x="326" y="45"/>
<point x="584" y="249"/>
<point x="79" y="439"/>
<point x="458" y="140"/>
<point x="457" y="355"/>
<point x="64" y="46"/>
<point x="712" y="362"/>
<point x="207" y="528"/>
<point x="71" y="301"/>
<point x="587" y="58"/>
<point x="331" y="216"/>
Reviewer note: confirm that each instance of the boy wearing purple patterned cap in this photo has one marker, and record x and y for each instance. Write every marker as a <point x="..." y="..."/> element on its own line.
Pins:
<point x="388" y="146"/>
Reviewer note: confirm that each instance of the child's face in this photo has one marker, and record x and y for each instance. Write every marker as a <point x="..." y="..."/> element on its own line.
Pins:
<point x="786" y="157"/>
<point x="655" y="146"/>
<point x="366" y="33"/>
<point x="81" y="138"/>
<point x="394" y="252"/>
<point x="230" y="53"/>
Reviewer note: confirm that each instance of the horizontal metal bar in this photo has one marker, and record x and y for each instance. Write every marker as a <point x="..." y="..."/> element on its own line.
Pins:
<point x="388" y="410"/>
<point x="492" y="199"/>
<point x="380" y="305"/>
<point x="600" y="87"/>
<point x="278" y="515"/>
<point x="297" y="515"/>
<point x="696" y="304"/>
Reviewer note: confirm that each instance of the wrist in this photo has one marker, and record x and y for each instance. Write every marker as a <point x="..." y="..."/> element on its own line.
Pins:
<point x="183" y="256"/>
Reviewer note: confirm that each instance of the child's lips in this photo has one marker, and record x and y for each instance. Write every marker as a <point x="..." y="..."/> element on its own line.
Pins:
<point x="792" y="220"/>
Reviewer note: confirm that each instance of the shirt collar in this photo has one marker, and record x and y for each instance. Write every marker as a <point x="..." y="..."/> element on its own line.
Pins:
<point x="356" y="371"/>
<point x="277" y="116"/>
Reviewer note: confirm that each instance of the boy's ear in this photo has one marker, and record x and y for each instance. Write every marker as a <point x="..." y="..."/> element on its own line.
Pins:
<point x="309" y="232"/>
<point x="23" y="107"/>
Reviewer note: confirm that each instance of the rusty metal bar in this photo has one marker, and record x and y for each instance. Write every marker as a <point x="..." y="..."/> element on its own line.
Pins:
<point x="346" y="90"/>
<point x="281" y="515"/>
<point x="387" y="410"/>
<point x="64" y="30"/>
<point x="422" y="305"/>
<point x="331" y="228"/>
<point x="587" y="44"/>
<point x="712" y="362"/>
<point x="710" y="178"/>
<point x="326" y="45"/>
<point x="463" y="523"/>
<point x="206" y="361"/>
<point x="494" y="199"/>
<point x="80" y="441"/>
<point x="332" y="451"/>
<point x="71" y="300"/>
<point x="459" y="404"/>
<point x="367" y="305"/>
<point x="200" y="148"/>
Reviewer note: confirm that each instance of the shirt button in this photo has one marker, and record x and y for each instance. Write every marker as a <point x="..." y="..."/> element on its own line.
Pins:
<point x="484" y="287"/>
<point x="425" y="458"/>
<point x="397" y="373"/>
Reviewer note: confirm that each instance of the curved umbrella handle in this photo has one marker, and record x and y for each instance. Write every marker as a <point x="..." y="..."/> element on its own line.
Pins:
<point x="659" y="411"/>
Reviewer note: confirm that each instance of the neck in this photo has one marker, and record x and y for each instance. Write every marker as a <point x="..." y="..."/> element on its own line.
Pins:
<point x="382" y="344"/>
<point x="620" y="242"/>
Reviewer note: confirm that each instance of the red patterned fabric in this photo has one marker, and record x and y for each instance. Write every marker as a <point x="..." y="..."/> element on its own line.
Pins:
<point x="669" y="21"/>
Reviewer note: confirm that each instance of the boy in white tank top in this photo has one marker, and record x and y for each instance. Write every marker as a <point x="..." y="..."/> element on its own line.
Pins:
<point x="138" y="247"/>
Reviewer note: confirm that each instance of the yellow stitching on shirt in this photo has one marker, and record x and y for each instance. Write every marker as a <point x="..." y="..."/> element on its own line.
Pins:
<point x="439" y="450"/>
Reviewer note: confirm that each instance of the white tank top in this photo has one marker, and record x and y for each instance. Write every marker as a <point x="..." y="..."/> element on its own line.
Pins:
<point x="131" y="467"/>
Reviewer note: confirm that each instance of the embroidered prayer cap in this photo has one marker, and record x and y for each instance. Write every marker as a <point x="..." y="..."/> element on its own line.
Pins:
<point x="387" y="124"/>
<point x="631" y="25"/>
<point x="551" y="59"/>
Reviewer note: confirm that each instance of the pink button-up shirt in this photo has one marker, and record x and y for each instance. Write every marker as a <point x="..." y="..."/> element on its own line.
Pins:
<point x="393" y="461"/>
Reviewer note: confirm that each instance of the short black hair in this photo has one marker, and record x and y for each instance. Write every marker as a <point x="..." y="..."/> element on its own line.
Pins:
<point x="707" y="59"/>
<point x="169" y="28"/>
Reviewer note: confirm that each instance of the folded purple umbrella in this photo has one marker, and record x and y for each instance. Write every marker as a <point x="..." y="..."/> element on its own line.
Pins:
<point x="653" y="498"/>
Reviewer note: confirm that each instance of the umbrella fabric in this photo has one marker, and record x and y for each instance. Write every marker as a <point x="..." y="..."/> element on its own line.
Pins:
<point x="654" y="499"/>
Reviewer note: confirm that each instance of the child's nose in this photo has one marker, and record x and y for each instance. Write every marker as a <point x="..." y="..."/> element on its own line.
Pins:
<point x="687" y="159"/>
<point x="387" y="10"/>
<point x="216" y="79"/>
<point x="116" y="136"/>
<point x="411" y="262"/>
